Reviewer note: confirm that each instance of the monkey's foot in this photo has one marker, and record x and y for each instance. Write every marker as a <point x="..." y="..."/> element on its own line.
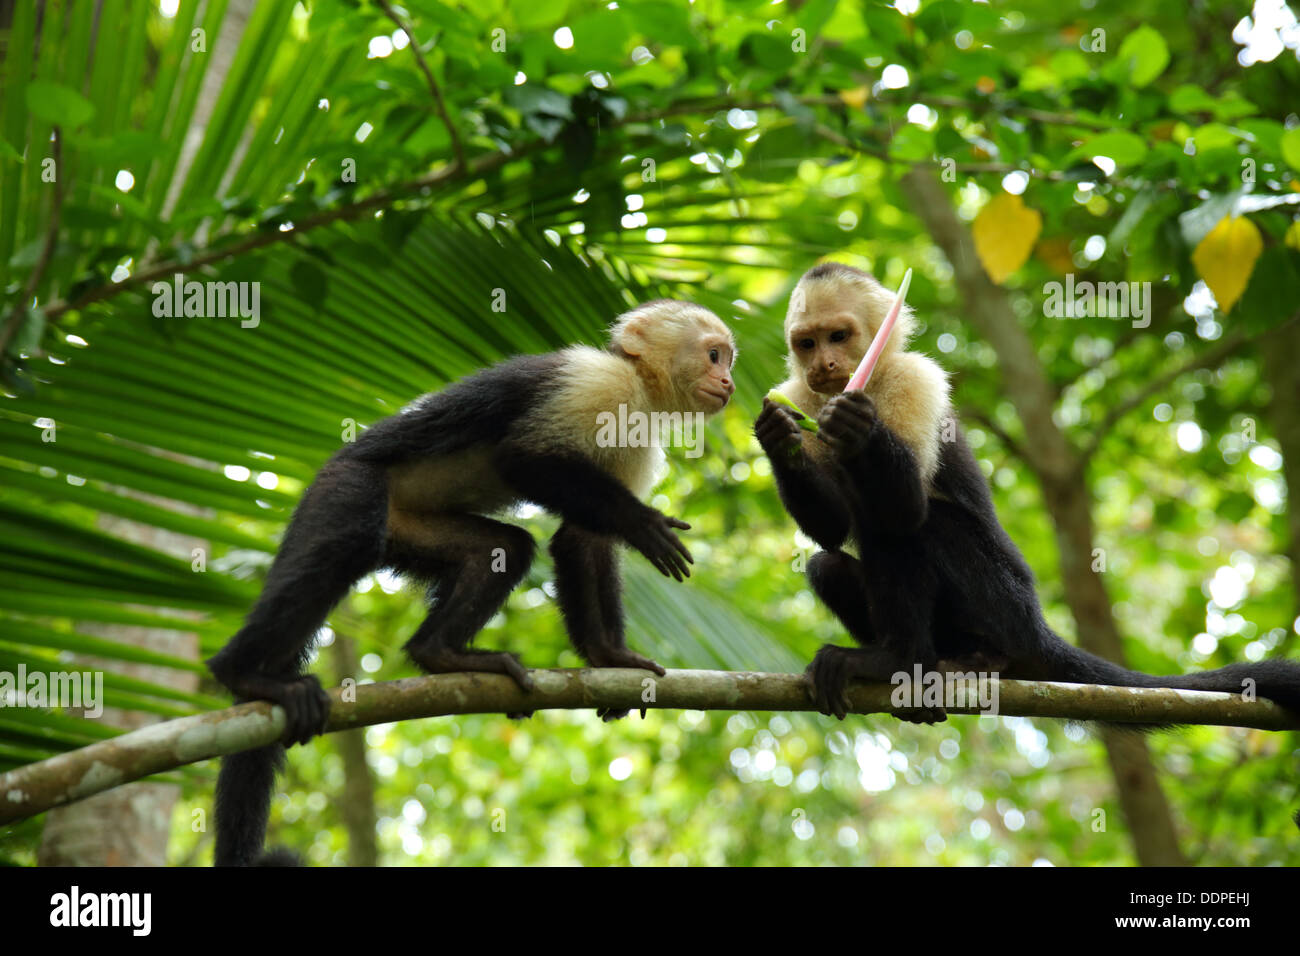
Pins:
<point x="922" y="715"/>
<point x="607" y="714"/>
<point x="444" y="660"/>
<point x="833" y="668"/>
<point x="608" y="656"/>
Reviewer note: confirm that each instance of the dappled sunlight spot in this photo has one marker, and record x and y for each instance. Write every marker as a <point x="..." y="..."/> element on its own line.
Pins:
<point x="124" y="180"/>
<point x="1266" y="457"/>
<point x="563" y="38"/>
<point x="620" y="768"/>
<point x="1227" y="588"/>
<point x="921" y="115"/>
<point x="379" y="47"/>
<point x="877" y="762"/>
<point x="1270" y="29"/>
<point x="1015" y="181"/>
<point x="1269" y="493"/>
<point x="1204" y="644"/>
<point x="236" y="472"/>
<point x="1200" y="302"/>
<point x="413" y="811"/>
<point x="371" y="663"/>
<point x="894" y="77"/>
<point x="1189" y="436"/>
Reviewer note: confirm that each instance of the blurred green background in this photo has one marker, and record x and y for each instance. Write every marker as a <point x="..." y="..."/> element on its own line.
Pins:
<point x="582" y="156"/>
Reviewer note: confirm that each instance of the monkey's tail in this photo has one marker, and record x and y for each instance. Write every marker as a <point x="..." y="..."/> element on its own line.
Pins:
<point x="244" y="788"/>
<point x="1278" y="680"/>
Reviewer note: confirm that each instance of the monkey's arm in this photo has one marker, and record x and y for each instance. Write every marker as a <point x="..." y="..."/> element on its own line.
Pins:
<point x="810" y="494"/>
<point x="580" y="492"/>
<point x="880" y="465"/>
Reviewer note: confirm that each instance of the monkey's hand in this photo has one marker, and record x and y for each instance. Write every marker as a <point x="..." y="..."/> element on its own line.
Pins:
<point x="777" y="430"/>
<point x="653" y="536"/>
<point x="305" y="703"/>
<point x="846" y="423"/>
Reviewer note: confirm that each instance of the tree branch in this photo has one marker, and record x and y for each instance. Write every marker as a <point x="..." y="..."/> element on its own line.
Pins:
<point x="78" y="774"/>
<point x="456" y="146"/>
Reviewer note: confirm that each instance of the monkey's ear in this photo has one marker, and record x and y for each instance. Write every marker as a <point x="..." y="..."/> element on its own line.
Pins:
<point x="633" y="340"/>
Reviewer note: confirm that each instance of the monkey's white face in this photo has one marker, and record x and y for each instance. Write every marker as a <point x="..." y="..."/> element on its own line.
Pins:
<point x="829" y="337"/>
<point x="702" y="371"/>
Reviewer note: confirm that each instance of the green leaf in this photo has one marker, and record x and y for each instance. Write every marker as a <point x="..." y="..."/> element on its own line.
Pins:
<point x="540" y="14"/>
<point x="1143" y="55"/>
<point x="1123" y="147"/>
<point x="58" y="104"/>
<point x="1290" y="146"/>
<point x="1189" y="98"/>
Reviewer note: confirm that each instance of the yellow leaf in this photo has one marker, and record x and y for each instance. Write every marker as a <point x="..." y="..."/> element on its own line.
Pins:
<point x="1226" y="257"/>
<point x="1293" y="235"/>
<point x="855" y="98"/>
<point x="1005" y="232"/>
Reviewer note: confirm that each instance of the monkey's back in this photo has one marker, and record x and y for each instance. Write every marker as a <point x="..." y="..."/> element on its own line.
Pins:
<point x="478" y="409"/>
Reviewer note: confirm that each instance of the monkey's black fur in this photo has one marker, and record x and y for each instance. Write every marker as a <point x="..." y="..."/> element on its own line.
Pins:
<point x="937" y="578"/>
<point x="341" y="531"/>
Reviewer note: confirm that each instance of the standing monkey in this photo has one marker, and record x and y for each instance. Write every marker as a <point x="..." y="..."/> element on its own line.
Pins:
<point x="936" y="580"/>
<point x="414" y="493"/>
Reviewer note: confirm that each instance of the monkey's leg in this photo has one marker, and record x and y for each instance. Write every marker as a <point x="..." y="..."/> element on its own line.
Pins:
<point x="335" y="537"/>
<point x="588" y="584"/>
<point x="840" y="581"/>
<point x="870" y="604"/>
<point x="476" y="563"/>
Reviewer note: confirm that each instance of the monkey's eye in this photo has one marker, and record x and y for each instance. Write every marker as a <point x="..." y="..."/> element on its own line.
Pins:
<point x="839" y="335"/>
<point x="805" y="343"/>
<point x="713" y="356"/>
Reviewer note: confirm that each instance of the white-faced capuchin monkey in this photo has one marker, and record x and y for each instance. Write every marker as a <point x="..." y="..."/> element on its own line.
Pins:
<point x="414" y="493"/>
<point x="936" y="580"/>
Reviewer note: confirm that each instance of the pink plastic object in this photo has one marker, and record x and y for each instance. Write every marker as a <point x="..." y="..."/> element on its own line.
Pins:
<point x="868" y="363"/>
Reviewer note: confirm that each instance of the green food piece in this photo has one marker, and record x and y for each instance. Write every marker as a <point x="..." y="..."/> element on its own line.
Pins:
<point x="806" y="423"/>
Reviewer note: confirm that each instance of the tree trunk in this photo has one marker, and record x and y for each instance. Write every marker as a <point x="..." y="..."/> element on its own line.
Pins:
<point x="1065" y="491"/>
<point x="1281" y="351"/>
<point x="358" y="807"/>
<point x="129" y="826"/>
